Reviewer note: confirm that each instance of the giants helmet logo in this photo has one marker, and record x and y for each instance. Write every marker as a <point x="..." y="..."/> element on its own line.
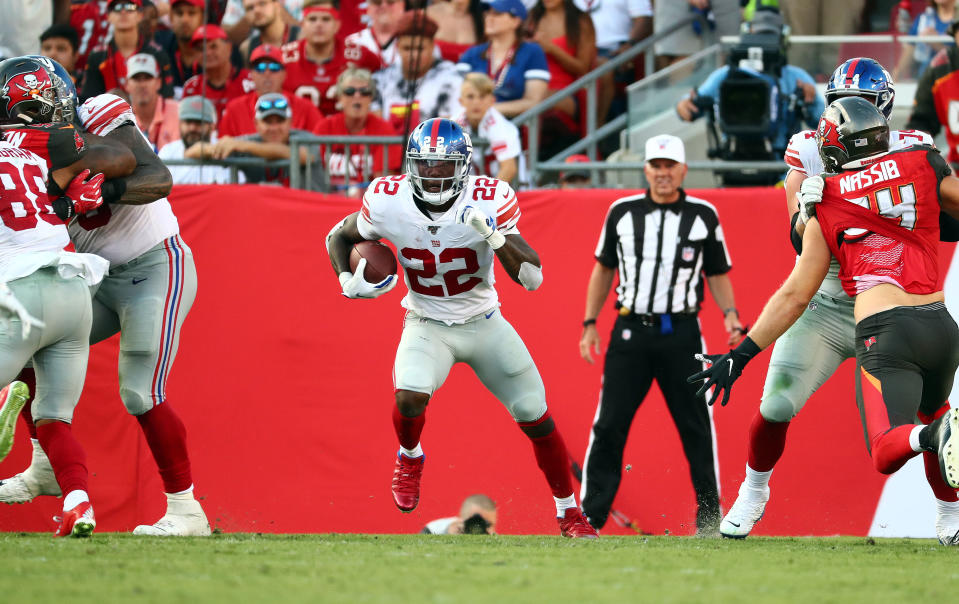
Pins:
<point x="33" y="85"/>
<point x="829" y="135"/>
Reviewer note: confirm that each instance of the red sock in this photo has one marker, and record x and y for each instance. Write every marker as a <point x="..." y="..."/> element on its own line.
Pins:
<point x="766" y="442"/>
<point x="28" y="377"/>
<point x="551" y="454"/>
<point x="930" y="461"/>
<point x="891" y="449"/>
<point x="66" y="456"/>
<point x="408" y="429"/>
<point x="166" y="436"/>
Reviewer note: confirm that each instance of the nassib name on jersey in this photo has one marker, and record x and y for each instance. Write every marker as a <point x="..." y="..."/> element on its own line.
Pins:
<point x="874" y="174"/>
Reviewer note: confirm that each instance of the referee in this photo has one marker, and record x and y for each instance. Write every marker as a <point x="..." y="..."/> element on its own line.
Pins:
<point x="663" y="244"/>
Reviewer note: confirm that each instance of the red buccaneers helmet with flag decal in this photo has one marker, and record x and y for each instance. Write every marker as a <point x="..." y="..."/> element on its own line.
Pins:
<point x="851" y="132"/>
<point x="28" y="93"/>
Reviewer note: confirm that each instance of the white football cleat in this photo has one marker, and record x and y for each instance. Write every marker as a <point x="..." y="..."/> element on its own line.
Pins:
<point x="745" y="513"/>
<point x="184" y="518"/>
<point x="36" y="480"/>
<point x="947" y="527"/>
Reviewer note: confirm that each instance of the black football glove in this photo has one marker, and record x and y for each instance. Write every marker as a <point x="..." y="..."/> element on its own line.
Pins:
<point x="724" y="369"/>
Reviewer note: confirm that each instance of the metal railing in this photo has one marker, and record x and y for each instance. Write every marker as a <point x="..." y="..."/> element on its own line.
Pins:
<point x="530" y="118"/>
<point x="235" y="164"/>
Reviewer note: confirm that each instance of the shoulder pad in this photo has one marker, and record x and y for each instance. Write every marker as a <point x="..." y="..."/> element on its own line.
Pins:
<point x="104" y="113"/>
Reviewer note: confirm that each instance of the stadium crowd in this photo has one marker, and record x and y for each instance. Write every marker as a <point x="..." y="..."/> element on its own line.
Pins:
<point x="409" y="61"/>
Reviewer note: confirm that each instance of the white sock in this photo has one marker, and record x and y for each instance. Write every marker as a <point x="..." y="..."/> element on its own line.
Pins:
<point x="914" y="438"/>
<point x="412" y="453"/>
<point x="947" y="508"/>
<point x="181" y="496"/>
<point x="757" y="480"/>
<point x="74" y="498"/>
<point x="564" y="503"/>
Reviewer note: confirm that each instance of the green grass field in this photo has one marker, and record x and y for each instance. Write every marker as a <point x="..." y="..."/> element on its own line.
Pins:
<point x="412" y="568"/>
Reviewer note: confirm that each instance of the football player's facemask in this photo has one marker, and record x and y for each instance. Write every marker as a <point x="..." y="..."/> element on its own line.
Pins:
<point x="852" y="133"/>
<point x="438" y="158"/>
<point x="865" y="78"/>
<point x="27" y="92"/>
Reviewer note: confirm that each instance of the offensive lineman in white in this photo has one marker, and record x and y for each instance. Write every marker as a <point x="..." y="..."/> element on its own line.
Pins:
<point x="146" y="297"/>
<point x="448" y="226"/>
<point x="824" y="336"/>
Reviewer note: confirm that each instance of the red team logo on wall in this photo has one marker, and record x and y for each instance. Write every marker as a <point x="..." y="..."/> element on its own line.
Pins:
<point x="33" y="85"/>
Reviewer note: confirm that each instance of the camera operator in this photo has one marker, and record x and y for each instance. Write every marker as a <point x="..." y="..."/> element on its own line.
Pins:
<point x="477" y="517"/>
<point x="758" y="100"/>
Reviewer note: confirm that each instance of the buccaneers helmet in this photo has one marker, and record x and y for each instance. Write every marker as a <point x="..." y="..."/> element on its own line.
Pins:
<point x="28" y="91"/>
<point x="862" y="77"/>
<point x="438" y="158"/>
<point x="851" y="132"/>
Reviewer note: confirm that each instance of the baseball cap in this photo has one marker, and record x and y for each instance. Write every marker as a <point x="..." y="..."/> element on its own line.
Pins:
<point x="575" y="159"/>
<point x="210" y="32"/>
<point x="513" y="7"/>
<point x="266" y="51"/>
<point x="197" y="3"/>
<point x="142" y="63"/>
<point x="197" y="108"/>
<point x="273" y="103"/>
<point x="766" y="22"/>
<point x="666" y="146"/>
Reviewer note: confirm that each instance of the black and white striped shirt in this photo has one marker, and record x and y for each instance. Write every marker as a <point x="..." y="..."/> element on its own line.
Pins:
<point x="662" y="252"/>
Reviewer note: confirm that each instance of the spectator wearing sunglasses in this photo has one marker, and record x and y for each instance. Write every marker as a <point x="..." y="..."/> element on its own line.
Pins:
<point x="107" y="67"/>
<point x="157" y="117"/>
<point x="314" y="62"/>
<point x="271" y="141"/>
<point x="197" y="129"/>
<point x="221" y="80"/>
<point x="421" y="86"/>
<point x="269" y="26"/>
<point x="267" y="73"/>
<point x="355" y="90"/>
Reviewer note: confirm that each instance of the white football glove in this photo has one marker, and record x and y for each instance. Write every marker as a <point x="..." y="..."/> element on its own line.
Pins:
<point x="356" y="286"/>
<point x="483" y="224"/>
<point x="11" y="307"/>
<point x="810" y="193"/>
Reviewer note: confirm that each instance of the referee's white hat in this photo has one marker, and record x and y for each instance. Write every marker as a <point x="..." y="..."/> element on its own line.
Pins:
<point x="666" y="146"/>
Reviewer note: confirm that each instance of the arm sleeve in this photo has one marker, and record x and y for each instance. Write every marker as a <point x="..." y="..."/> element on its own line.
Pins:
<point x="508" y="212"/>
<point x="364" y="222"/>
<point x="536" y="67"/>
<point x="105" y="113"/>
<point x="716" y="259"/>
<point x="467" y="61"/>
<point x="606" y="247"/>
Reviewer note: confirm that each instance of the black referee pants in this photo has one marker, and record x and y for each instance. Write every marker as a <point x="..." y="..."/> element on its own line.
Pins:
<point x="637" y="354"/>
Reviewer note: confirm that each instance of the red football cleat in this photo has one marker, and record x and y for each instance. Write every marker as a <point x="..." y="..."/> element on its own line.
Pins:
<point x="77" y="522"/>
<point x="573" y="525"/>
<point x="406" y="481"/>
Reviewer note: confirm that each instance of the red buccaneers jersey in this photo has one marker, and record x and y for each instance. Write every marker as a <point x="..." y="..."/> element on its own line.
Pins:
<point x="59" y="144"/>
<point x="238" y="84"/>
<point x="945" y="95"/>
<point x="314" y="81"/>
<point x="882" y="222"/>
<point x="89" y="19"/>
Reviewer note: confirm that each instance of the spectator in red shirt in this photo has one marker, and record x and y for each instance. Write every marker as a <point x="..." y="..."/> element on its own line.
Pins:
<point x="157" y="117"/>
<point x="107" y="67"/>
<point x="355" y="90"/>
<point x="221" y="81"/>
<point x="315" y="61"/>
<point x="267" y="73"/>
<point x="90" y="18"/>
<point x="379" y="36"/>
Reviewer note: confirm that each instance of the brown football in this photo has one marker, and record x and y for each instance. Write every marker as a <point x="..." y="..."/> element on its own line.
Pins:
<point x="380" y="261"/>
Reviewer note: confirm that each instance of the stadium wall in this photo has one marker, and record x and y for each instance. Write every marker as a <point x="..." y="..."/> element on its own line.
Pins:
<point x="285" y="387"/>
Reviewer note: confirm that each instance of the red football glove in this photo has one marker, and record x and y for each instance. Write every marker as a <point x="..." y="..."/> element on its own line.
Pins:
<point x="80" y="197"/>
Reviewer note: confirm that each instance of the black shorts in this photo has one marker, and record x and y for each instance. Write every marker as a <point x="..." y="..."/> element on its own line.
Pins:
<point x="909" y="354"/>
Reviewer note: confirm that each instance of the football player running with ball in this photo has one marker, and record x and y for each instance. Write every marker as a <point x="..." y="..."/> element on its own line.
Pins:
<point x="447" y="227"/>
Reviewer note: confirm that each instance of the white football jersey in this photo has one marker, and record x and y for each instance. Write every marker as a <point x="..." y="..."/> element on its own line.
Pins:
<point x="437" y="94"/>
<point x="119" y="232"/>
<point x="802" y="155"/>
<point x="504" y="143"/>
<point x="448" y="266"/>
<point x="31" y="235"/>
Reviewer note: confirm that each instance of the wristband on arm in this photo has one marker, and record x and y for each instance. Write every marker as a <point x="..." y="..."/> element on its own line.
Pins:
<point x="113" y="190"/>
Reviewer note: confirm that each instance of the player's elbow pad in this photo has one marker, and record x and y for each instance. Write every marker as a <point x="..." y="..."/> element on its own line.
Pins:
<point x="794" y="237"/>
<point x="530" y="276"/>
